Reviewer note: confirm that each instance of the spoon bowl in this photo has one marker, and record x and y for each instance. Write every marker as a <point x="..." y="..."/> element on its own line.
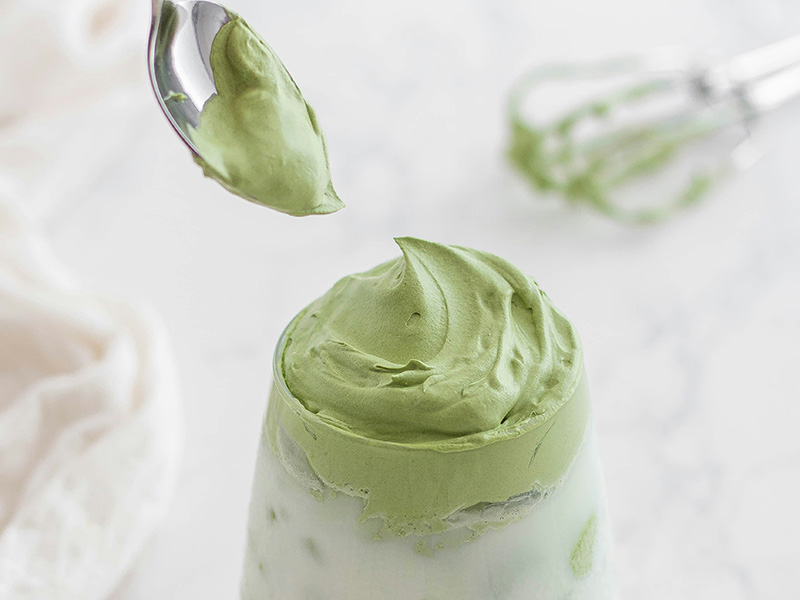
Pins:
<point x="179" y="54"/>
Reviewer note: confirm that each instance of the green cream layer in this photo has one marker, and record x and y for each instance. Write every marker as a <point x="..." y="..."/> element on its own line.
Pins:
<point x="258" y="136"/>
<point x="435" y="382"/>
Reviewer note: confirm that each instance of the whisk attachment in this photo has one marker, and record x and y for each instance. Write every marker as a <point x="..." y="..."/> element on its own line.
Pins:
<point x="649" y="135"/>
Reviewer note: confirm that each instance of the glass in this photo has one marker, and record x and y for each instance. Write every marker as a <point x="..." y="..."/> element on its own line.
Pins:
<point x="309" y="542"/>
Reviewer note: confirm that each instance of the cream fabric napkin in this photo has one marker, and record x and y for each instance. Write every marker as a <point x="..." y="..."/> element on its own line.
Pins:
<point x="90" y="433"/>
<point x="89" y="428"/>
<point x="73" y="87"/>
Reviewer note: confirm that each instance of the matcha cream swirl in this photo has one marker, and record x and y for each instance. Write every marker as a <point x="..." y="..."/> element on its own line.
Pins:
<point x="445" y="377"/>
<point x="257" y="136"/>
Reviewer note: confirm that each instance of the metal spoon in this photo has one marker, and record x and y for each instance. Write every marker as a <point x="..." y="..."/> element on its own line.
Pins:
<point x="178" y="54"/>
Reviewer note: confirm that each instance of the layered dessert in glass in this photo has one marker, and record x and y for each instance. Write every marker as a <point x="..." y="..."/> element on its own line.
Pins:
<point x="429" y="437"/>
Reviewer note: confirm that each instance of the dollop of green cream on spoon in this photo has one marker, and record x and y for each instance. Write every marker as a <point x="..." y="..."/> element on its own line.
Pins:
<point x="257" y="136"/>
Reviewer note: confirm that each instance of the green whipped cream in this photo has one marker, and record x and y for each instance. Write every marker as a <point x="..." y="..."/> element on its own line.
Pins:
<point x="440" y="381"/>
<point x="582" y="558"/>
<point x="258" y="137"/>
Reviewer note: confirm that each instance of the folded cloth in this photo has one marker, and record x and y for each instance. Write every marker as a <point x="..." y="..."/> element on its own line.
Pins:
<point x="89" y="427"/>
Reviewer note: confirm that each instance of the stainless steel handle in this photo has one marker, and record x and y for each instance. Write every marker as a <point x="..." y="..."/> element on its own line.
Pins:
<point x="762" y="79"/>
<point x="775" y="90"/>
<point x="753" y="65"/>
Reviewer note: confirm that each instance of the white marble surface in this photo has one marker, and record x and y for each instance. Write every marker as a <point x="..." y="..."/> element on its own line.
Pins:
<point x="691" y="328"/>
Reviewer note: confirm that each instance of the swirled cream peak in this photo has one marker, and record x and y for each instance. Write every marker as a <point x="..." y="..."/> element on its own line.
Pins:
<point x="258" y="137"/>
<point x="441" y="343"/>
<point x="434" y="386"/>
<point x="439" y="382"/>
